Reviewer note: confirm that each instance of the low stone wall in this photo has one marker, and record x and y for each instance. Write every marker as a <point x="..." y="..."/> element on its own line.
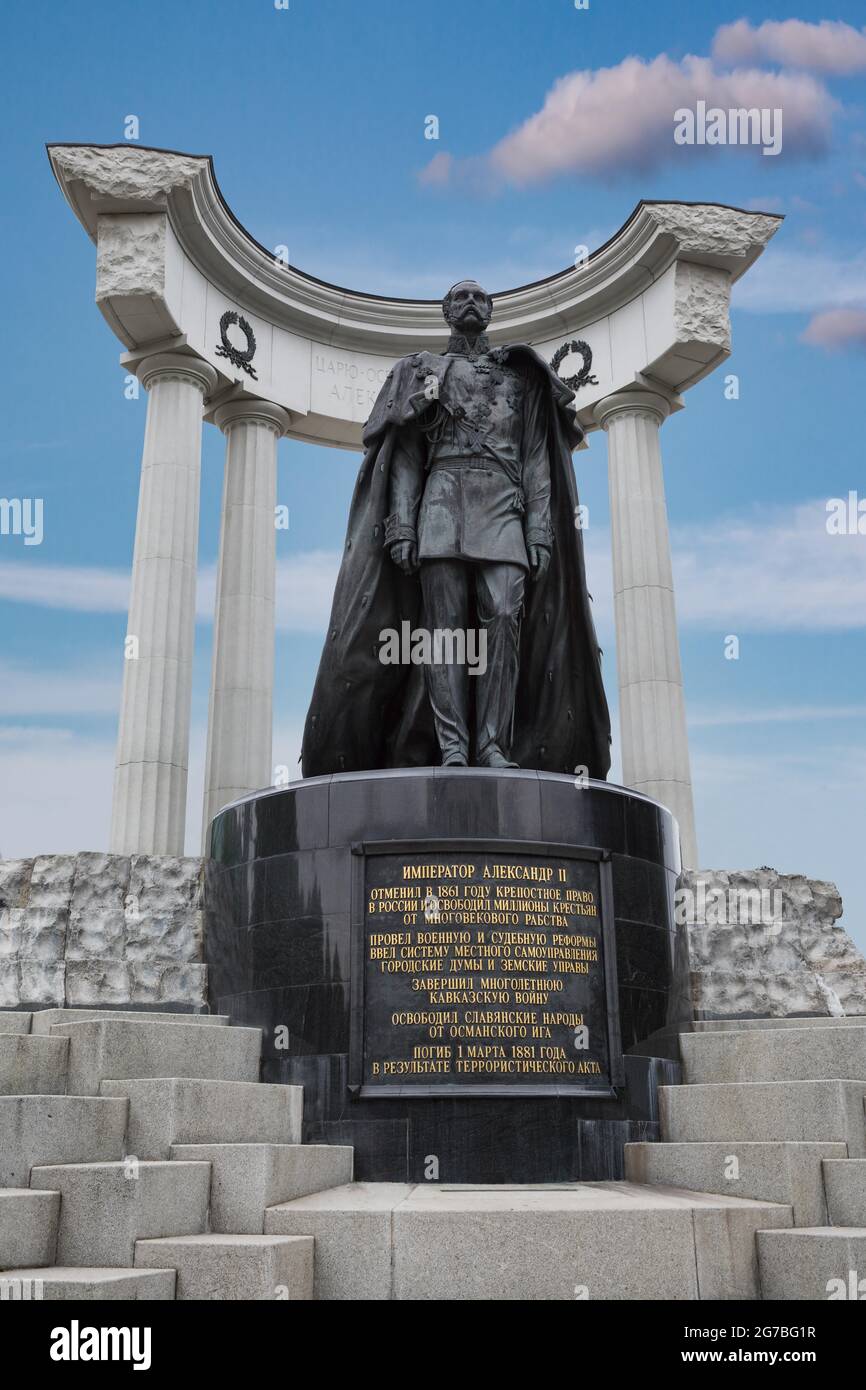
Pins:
<point x="767" y="945"/>
<point x="100" y="930"/>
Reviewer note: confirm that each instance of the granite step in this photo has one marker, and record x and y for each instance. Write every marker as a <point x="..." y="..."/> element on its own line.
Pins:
<point x="247" y="1178"/>
<point x="183" y="1110"/>
<point x="32" y="1066"/>
<point x="121" y="1049"/>
<point x="845" y="1185"/>
<point x="722" y="1025"/>
<point x="826" y="1263"/>
<point x="62" y="1284"/>
<point x="106" y="1207"/>
<point x="741" y="1111"/>
<point x="28" y="1226"/>
<point x="789" y="1054"/>
<point x="601" y="1240"/>
<point x="36" y="1130"/>
<point x="789" y="1172"/>
<point x="12" y="1021"/>
<point x="45" y="1019"/>
<point x="224" y="1268"/>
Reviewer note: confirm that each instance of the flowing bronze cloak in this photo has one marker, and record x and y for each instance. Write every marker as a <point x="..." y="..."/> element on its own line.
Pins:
<point x="366" y="715"/>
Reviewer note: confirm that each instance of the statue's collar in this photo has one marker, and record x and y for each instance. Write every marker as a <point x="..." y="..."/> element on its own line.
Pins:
<point x="459" y="345"/>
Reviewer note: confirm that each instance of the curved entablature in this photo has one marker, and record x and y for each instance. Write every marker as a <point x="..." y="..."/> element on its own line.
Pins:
<point x="176" y="270"/>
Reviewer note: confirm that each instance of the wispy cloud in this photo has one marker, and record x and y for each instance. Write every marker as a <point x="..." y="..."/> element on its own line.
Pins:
<point x="57" y="787"/>
<point x="781" y="714"/>
<point x="80" y="588"/>
<point x="33" y="692"/>
<point x="56" y="792"/>
<point x="305" y="585"/>
<point x="438" y="172"/>
<point x="837" y="329"/>
<point x="830" y="47"/>
<point x="775" y="569"/>
<point x="792" y="281"/>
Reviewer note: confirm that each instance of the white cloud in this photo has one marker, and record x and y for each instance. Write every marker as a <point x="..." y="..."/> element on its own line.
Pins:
<point x="773" y="570"/>
<point x="777" y="570"/>
<point x="57" y="786"/>
<point x="304" y="587"/>
<point x="438" y="171"/>
<point x="81" y="588"/>
<point x="780" y="714"/>
<point x="830" y="47"/>
<point x="37" y="692"/>
<point x="837" y="329"/>
<point x="621" y="120"/>
<point x="790" y="281"/>
<point x="56" y="793"/>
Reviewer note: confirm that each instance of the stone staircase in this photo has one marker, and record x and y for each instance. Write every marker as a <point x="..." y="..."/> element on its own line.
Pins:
<point x="138" y="1154"/>
<point x="773" y="1109"/>
<point x="141" y="1158"/>
<point x="758" y="1191"/>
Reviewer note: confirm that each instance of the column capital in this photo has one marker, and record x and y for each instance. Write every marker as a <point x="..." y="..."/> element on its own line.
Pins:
<point x="634" y="401"/>
<point x="250" y="410"/>
<point x="177" y="366"/>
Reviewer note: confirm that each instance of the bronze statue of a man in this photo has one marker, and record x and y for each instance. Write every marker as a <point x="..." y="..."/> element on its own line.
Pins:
<point x="464" y="515"/>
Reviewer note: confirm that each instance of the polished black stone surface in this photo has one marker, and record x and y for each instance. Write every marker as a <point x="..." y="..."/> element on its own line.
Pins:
<point x="278" y="941"/>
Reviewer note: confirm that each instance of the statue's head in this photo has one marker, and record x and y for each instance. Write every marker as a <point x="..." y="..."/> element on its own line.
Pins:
<point x="467" y="307"/>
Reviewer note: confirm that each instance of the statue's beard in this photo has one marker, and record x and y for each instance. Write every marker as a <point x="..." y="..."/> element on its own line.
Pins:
<point x="470" y="324"/>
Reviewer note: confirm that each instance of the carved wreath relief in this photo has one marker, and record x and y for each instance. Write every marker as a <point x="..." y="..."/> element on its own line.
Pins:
<point x="237" y="357"/>
<point x="583" y="377"/>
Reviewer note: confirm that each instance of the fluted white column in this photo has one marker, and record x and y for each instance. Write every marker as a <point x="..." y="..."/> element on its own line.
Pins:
<point x="242" y="682"/>
<point x="655" y="750"/>
<point x="149" y="808"/>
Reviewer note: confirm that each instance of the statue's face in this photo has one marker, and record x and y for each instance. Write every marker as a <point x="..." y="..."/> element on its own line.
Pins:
<point x="467" y="307"/>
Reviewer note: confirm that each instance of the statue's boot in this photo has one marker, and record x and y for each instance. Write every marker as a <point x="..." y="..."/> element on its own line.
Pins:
<point x="495" y="758"/>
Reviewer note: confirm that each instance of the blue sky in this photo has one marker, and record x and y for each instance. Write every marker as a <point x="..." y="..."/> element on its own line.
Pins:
<point x="315" y="117"/>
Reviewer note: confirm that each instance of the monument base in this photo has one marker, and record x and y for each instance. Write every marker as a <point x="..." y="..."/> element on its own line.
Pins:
<point x="461" y="966"/>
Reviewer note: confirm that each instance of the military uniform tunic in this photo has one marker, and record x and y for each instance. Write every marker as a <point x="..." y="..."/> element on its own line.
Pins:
<point x="471" y="481"/>
<point x="470" y="485"/>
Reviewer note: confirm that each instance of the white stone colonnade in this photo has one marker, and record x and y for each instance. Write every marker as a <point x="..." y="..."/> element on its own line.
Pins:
<point x="655" y="748"/>
<point x="153" y="736"/>
<point x="240" y="717"/>
<point x="219" y="328"/>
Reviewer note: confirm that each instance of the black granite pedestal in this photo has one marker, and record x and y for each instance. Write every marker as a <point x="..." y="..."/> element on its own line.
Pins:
<point x="287" y="943"/>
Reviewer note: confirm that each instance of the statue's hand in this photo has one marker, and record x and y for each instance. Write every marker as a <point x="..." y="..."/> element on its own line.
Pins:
<point x="539" y="560"/>
<point x="405" y="556"/>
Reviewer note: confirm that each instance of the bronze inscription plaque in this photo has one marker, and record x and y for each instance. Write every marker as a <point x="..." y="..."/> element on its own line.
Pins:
<point x="483" y="972"/>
